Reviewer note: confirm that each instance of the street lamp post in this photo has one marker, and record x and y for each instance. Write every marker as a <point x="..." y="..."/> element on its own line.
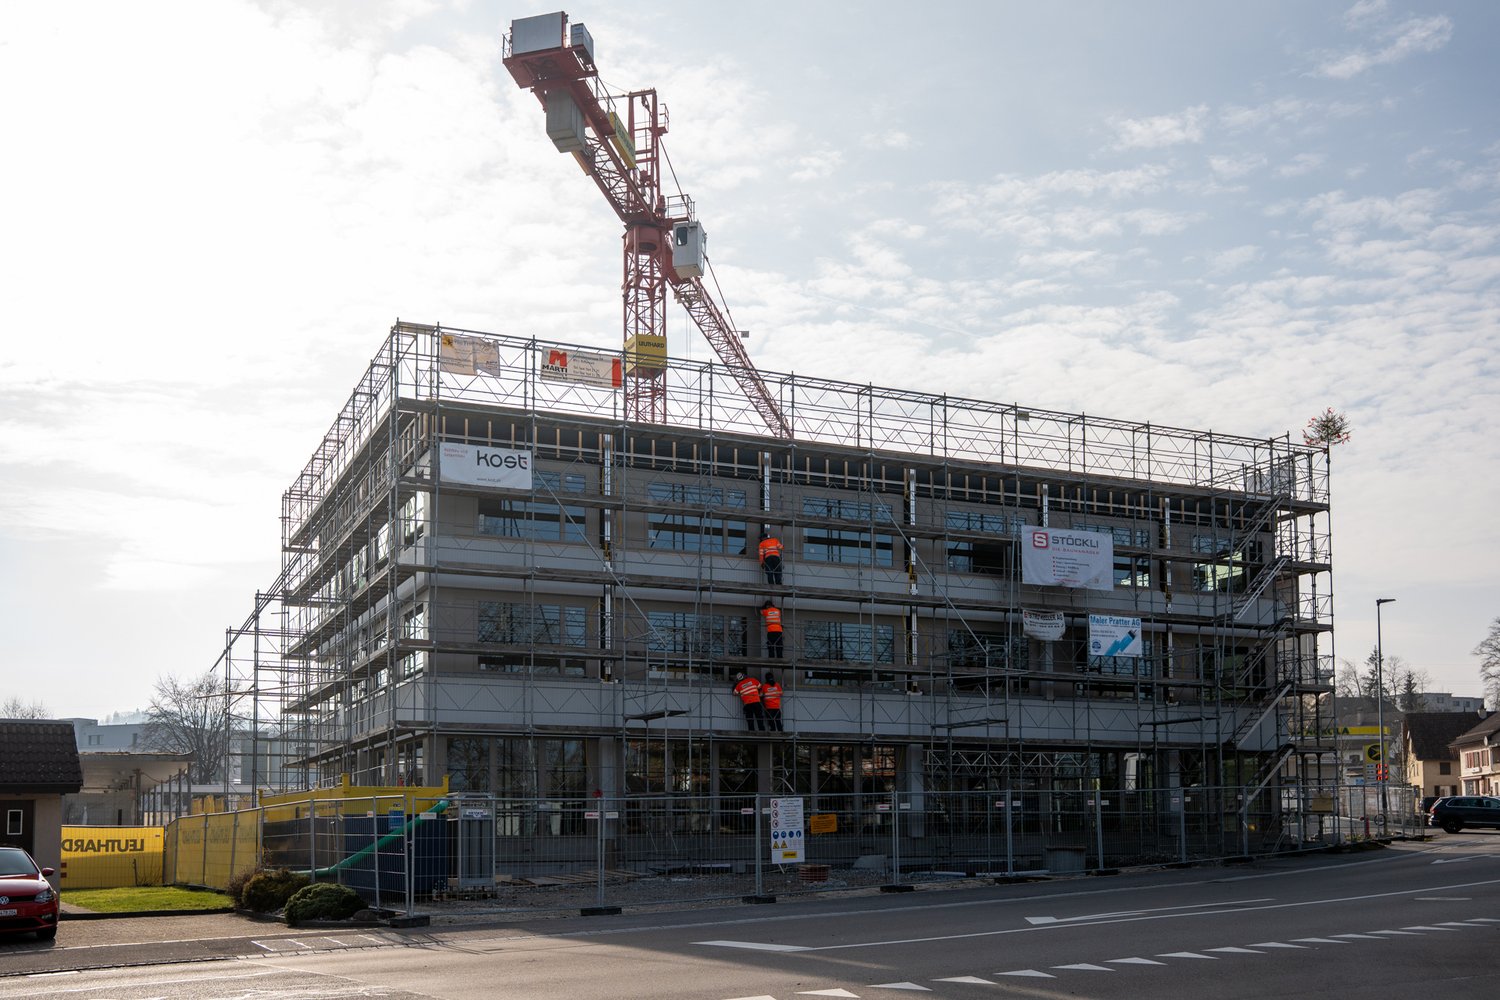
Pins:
<point x="1385" y="769"/>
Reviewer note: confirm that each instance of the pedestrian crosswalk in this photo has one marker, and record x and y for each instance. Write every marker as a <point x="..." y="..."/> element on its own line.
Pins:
<point x="1124" y="963"/>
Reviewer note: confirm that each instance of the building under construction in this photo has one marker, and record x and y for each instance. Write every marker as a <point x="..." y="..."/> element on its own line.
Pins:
<point x="491" y="573"/>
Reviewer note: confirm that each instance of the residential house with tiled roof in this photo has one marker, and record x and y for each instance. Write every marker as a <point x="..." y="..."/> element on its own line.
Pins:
<point x="1478" y="751"/>
<point x="38" y="766"/>
<point x="1431" y="766"/>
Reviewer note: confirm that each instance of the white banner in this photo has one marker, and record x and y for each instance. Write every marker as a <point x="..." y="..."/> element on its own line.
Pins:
<point x="467" y="355"/>
<point x="1112" y="635"/>
<point x="786" y="831"/>
<point x="1054" y="557"/>
<point x="478" y="465"/>
<point x="576" y="366"/>
<point x="1046" y="625"/>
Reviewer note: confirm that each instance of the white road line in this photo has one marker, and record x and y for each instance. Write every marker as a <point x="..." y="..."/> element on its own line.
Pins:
<point x="828" y="993"/>
<point x="1277" y="944"/>
<point x="1459" y="923"/>
<point x="1022" y="973"/>
<point x="1137" y="913"/>
<point x="976" y="979"/>
<point x="1236" y="951"/>
<point x="1409" y="933"/>
<point x="1231" y="907"/>
<point x="755" y="945"/>
<point x="1428" y="927"/>
<point x="1366" y="937"/>
<point x="1135" y="961"/>
<point x="1086" y="967"/>
<point x="1188" y="954"/>
<point x="898" y="986"/>
<point x="763" y="996"/>
<point x="207" y="977"/>
<point x="1317" y="940"/>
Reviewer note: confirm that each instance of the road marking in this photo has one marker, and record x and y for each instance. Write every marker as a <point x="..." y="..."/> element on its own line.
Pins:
<point x="827" y="993"/>
<point x="898" y="986"/>
<point x="1367" y="937"/>
<point x="976" y="979"/>
<point x="1427" y="927"/>
<point x="763" y="996"/>
<point x="1276" y="944"/>
<point x="1136" y="961"/>
<point x="1188" y="954"/>
<point x="1086" y="966"/>
<point x="1027" y="974"/>
<point x="1137" y="913"/>
<point x="755" y="945"/>
<point x="1459" y="923"/>
<point x="1411" y="933"/>
<point x="1236" y="951"/>
<point x="1320" y="940"/>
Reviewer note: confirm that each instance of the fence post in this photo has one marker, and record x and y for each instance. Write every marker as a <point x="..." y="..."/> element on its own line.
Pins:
<point x="1010" y="854"/>
<point x="757" y="847"/>
<point x="895" y="885"/>
<point x="375" y="844"/>
<point x="599" y="804"/>
<point x="1182" y="851"/>
<point x="234" y="842"/>
<point x="1099" y="821"/>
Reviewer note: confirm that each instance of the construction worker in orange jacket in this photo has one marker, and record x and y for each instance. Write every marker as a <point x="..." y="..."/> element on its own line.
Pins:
<point x="770" y="556"/>
<point x="748" y="688"/>
<point x="771" y="615"/>
<point x="770" y="701"/>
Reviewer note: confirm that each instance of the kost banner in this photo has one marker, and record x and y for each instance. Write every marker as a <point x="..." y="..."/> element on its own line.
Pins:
<point x="480" y="465"/>
<point x="1054" y="557"/>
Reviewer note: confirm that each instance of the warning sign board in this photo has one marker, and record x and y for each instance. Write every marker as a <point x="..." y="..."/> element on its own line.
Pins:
<point x="787" y="834"/>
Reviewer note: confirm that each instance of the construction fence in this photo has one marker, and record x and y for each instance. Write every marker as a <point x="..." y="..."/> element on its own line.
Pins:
<point x="483" y="854"/>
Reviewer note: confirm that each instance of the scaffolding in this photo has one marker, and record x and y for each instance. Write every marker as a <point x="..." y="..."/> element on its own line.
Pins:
<point x="1222" y="549"/>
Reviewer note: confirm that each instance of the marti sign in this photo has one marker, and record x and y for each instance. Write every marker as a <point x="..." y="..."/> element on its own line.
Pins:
<point x="478" y="465"/>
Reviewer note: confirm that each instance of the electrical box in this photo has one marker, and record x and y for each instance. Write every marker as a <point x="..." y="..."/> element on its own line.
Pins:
<point x="537" y="34"/>
<point x="564" y="122"/>
<point x="579" y="38"/>
<point x="688" y="244"/>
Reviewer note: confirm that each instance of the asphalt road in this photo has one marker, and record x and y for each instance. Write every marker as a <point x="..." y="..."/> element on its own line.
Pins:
<point x="1411" y="921"/>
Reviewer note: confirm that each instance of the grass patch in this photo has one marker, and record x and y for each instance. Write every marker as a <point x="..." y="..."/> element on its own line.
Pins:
<point x="145" y="898"/>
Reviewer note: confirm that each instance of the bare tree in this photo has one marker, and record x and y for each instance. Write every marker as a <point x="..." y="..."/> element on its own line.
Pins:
<point x="15" y="708"/>
<point x="1488" y="652"/>
<point x="1347" y="682"/>
<point x="192" y="717"/>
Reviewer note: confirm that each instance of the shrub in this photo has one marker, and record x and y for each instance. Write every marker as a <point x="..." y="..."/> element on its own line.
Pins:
<point x="323" y="901"/>
<point x="268" y="890"/>
<point x="235" y="888"/>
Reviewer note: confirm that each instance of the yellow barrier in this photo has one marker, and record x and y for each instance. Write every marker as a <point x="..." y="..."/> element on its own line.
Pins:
<point x="107" y="857"/>
<point x="209" y="850"/>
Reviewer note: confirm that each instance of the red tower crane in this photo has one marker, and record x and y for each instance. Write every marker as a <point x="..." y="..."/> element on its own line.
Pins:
<point x="616" y="139"/>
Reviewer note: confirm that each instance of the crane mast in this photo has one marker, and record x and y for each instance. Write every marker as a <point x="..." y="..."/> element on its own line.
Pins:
<point x="616" y="139"/>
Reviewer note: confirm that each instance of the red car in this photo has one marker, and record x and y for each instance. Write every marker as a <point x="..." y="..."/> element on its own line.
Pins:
<point x="27" y="900"/>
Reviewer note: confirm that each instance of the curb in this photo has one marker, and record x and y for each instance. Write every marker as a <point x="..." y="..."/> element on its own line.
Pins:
<point x="131" y="914"/>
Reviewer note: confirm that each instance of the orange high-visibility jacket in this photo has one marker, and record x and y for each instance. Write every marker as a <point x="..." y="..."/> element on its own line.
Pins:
<point x="772" y="617"/>
<point x="748" y="690"/>
<point x="769" y="547"/>
<point x="770" y="695"/>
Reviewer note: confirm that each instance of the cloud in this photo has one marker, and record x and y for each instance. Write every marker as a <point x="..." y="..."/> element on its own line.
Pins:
<point x="1235" y="167"/>
<point x="1302" y="163"/>
<point x="1227" y="261"/>
<point x="1413" y="36"/>
<point x="894" y="139"/>
<point x="1178" y="129"/>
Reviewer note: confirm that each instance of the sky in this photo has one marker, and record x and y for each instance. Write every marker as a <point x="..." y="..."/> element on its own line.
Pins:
<point x="1215" y="215"/>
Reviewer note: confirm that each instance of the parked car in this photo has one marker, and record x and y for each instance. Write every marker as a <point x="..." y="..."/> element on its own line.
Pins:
<point x="28" y="903"/>
<point x="1458" y="811"/>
